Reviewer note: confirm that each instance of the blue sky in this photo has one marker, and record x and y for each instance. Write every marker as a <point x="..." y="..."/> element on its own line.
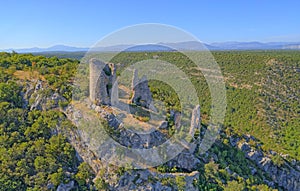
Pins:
<point x="82" y="23"/>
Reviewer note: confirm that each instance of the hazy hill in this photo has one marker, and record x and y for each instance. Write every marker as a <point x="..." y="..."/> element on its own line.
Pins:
<point x="189" y="45"/>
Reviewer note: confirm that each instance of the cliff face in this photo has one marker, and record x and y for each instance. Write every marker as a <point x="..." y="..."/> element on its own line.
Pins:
<point x="35" y="98"/>
<point x="132" y="179"/>
<point x="147" y="180"/>
<point x="286" y="175"/>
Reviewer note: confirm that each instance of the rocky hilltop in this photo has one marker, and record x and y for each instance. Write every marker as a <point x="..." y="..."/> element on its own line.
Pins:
<point x="233" y="160"/>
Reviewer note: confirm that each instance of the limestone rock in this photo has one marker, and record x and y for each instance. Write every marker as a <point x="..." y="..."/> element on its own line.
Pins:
<point x="163" y="125"/>
<point x="55" y="99"/>
<point x="38" y="85"/>
<point x="185" y="161"/>
<point x="37" y="103"/>
<point x="177" y="119"/>
<point x="248" y="137"/>
<point x="244" y="147"/>
<point x="253" y="170"/>
<point x="254" y="155"/>
<point x="233" y="141"/>
<point x="65" y="187"/>
<point x="139" y="180"/>
<point x="285" y="176"/>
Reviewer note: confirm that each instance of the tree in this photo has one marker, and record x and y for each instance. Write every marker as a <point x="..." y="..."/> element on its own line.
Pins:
<point x="57" y="177"/>
<point x="10" y="92"/>
<point x="211" y="169"/>
<point x="100" y="184"/>
<point x="84" y="174"/>
<point x="234" y="186"/>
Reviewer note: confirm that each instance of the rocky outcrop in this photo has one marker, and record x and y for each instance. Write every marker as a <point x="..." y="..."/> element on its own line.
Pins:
<point x="36" y="98"/>
<point x="46" y="102"/>
<point x="133" y="179"/>
<point x="29" y="90"/>
<point x="284" y="175"/>
<point x="127" y="137"/>
<point x="142" y="95"/>
<point x="66" y="187"/>
<point x="147" y="180"/>
<point x="233" y="141"/>
<point x="79" y="140"/>
<point x="184" y="160"/>
<point x="102" y="80"/>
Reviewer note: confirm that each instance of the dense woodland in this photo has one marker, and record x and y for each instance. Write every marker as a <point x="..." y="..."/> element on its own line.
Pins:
<point x="33" y="156"/>
<point x="262" y="100"/>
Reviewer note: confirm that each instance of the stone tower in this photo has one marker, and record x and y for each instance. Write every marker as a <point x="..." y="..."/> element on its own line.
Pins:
<point x="142" y="95"/>
<point x="196" y="120"/>
<point x="103" y="82"/>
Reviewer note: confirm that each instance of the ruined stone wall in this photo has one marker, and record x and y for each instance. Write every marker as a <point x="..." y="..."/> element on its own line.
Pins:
<point x="142" y="95"/>
<point x="95" y="68"/>
<point x="102" y="81"/>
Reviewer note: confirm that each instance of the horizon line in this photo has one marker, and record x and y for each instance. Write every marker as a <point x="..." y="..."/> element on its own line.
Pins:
<point x="158" y="43"/>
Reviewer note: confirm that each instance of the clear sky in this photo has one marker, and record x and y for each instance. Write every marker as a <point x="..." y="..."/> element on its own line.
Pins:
<point x="82" y="23"/>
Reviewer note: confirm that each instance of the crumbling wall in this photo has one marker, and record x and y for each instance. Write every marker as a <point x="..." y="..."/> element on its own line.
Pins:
<point x="102" y="81"/>
<point x="142" y="95"/>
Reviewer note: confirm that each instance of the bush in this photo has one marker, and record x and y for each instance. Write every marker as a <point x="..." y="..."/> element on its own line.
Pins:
<point x="100" y="184"/>
<point x="180" y="181"/>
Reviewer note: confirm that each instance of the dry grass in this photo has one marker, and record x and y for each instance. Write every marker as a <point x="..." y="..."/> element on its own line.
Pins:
<point x="28" y="75"/>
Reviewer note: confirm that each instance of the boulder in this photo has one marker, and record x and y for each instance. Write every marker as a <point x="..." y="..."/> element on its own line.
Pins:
<point x="245" y="147"/>
<point x="234" y="140"/>
<point x="185" y="161"/>
<point x="254" y="155"/>
<point x="163" y="125"/>
<point x="65" y="187"/>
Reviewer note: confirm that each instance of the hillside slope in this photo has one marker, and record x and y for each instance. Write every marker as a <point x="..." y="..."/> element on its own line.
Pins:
<point x="258" y="147"/>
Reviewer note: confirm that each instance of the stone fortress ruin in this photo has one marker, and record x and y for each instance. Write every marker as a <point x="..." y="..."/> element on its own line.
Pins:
<point x="104" y="92"/>
<point x="102" y="81"/>
<point x="104" y="86"/>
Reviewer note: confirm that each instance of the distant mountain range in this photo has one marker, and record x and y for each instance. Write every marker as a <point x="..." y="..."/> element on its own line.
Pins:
<point x="190" y="45"/>
<point x="56" y="48"/>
